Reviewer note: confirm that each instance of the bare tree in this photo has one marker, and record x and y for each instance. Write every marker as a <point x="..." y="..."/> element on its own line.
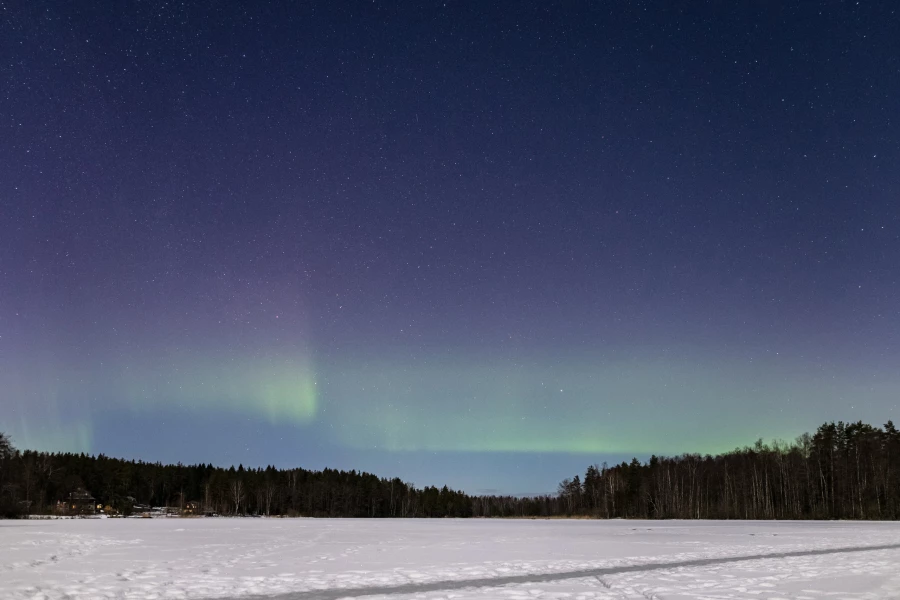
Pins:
<point x="237" y="494"/>
<point x="269" y="491"/>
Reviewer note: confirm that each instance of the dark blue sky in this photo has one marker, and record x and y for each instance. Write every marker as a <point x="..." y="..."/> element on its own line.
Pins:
<point x="482" y="244"/>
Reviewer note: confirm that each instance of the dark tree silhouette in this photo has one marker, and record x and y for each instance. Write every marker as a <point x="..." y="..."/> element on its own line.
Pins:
<point x="842" y="471"/>
<point x="6" y="447"/>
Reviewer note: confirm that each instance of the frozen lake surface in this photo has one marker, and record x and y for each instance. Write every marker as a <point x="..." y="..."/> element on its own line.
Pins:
<point x="305" y="559"/>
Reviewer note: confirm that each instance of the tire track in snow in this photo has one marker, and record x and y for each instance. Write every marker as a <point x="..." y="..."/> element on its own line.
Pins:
<point x="440" y="586"/>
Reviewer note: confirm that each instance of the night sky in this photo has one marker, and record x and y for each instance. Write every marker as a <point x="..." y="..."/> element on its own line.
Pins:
<point x="474" y="243"/>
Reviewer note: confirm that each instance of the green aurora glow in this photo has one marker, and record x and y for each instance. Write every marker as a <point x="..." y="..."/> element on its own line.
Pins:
<point x="639" y="406"/>
<point x="586" y="408"/>
<point x="266" y="390"/>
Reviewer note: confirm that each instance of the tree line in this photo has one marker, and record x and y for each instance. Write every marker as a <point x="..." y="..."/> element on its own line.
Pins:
<point x="40" y="482"/>
<point x="843" y="471"/>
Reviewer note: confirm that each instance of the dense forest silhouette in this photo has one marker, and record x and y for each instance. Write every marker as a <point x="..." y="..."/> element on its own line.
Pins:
<point x="842" y="471"/>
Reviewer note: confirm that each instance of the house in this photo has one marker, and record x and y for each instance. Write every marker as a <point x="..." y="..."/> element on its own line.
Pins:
<point x="80" y="502"/>
<point x="192" y="508"/>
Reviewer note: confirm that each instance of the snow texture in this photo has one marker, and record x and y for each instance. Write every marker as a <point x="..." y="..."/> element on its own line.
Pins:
<point x="306" y="559"/>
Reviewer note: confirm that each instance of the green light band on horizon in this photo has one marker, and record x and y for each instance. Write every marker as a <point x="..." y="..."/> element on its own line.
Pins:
<point x="635" y="406"/>
<point x="639" y="407"/>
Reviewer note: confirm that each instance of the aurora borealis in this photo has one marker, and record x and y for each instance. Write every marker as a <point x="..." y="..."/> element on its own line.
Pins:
<point x="456" y="243"/>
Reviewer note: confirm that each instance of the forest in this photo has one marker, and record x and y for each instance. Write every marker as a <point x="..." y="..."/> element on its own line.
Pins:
<point x="842" y="471"/>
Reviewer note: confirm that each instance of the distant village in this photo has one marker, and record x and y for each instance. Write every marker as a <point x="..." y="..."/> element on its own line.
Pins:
<point x="81" y="503"/>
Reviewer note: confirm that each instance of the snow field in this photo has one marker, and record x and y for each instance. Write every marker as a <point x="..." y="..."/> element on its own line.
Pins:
<point x="306" y="559"/>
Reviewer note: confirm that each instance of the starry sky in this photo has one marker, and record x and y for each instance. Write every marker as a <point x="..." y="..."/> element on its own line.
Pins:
<point x="476" y="243"/>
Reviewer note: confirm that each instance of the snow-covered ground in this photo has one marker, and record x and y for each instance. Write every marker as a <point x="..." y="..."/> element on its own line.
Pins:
<point x="303" y="559"/>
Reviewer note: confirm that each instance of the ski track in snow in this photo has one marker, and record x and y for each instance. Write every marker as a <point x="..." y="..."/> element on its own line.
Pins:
<point x="307" y="559"/>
